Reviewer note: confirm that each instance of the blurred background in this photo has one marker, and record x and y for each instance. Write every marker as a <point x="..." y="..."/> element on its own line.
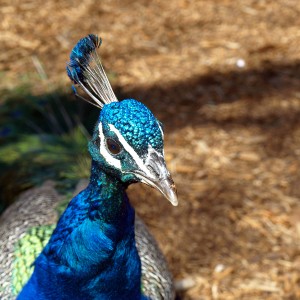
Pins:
<point x="223" y="77"/>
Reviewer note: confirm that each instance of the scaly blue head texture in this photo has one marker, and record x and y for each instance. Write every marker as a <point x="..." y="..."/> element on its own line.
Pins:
<point x="135" y="129"/>
<point x="135" y="122"/>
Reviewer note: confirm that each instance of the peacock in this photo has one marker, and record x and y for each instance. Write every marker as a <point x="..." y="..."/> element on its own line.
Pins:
<point x="98" y="248"/>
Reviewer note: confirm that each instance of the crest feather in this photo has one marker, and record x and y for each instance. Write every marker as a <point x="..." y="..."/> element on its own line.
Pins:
<point x="85" y="70"/>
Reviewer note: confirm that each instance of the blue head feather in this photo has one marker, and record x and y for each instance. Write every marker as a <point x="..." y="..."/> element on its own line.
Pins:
<point x="85" y="69"/>
<point x="80" y="57"/>
<point x="136" y="123"/>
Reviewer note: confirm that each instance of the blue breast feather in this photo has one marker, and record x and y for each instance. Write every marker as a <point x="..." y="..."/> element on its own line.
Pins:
<point x="92" y="252"/>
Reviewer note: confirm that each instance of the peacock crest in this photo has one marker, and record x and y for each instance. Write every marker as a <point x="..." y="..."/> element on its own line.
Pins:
<point x="85" y="70"/>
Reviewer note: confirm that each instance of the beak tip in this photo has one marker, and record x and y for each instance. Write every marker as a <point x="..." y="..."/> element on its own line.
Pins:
<point x="175" y="203"/>
<point x="173" y="197"/>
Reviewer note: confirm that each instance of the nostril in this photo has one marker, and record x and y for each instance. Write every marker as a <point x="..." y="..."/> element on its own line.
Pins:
<point x="152" y="170"/>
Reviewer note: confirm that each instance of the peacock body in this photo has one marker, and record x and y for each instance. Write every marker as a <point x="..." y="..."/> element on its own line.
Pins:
<point x="98" y="249"/>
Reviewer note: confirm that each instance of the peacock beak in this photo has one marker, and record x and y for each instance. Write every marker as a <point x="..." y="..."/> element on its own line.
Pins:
<point x="167" y="187"/>
<point x="156" y="175"/>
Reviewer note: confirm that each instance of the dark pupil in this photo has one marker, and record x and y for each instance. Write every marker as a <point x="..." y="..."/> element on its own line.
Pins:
<point x="113" y="146"/>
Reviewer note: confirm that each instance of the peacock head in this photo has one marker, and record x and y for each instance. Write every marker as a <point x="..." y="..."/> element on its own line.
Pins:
<point x="128" y="140"/>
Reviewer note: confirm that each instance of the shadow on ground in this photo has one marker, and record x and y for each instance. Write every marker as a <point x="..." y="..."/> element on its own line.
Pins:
<point x="266" y="99"/>
<point x="178" y="104"/>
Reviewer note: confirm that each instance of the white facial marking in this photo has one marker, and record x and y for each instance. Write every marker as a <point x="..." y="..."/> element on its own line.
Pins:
<point x="161" y="131"/>
<point x="162" y="135"/>
<point x="103" y="150"/>
<point x="131" y="151"/>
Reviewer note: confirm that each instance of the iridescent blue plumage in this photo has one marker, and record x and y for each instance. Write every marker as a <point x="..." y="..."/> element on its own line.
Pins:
<point x="92" y="253"/>
<point x="80" y="57"/>
<point x="136" y="123"/>
<point x="85" y="70"/>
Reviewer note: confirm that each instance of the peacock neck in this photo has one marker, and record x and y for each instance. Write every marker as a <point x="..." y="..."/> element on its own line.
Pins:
<point x="107" y="195"/>
<point x="92" y="252"/>
<point x="103" y="182"/>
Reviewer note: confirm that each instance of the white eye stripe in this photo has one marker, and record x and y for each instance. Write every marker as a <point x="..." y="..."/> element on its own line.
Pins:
<point x="131" y="151"/>
<point x="103" y="151"/>
<point x="161" y="130"/>
<point x="162" y="135"/>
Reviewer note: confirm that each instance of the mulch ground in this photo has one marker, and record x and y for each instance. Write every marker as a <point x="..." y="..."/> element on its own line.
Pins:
<point x="223" y="76"/>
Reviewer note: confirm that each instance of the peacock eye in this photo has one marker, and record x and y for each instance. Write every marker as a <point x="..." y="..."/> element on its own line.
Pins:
<point x="113" y="146"/>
